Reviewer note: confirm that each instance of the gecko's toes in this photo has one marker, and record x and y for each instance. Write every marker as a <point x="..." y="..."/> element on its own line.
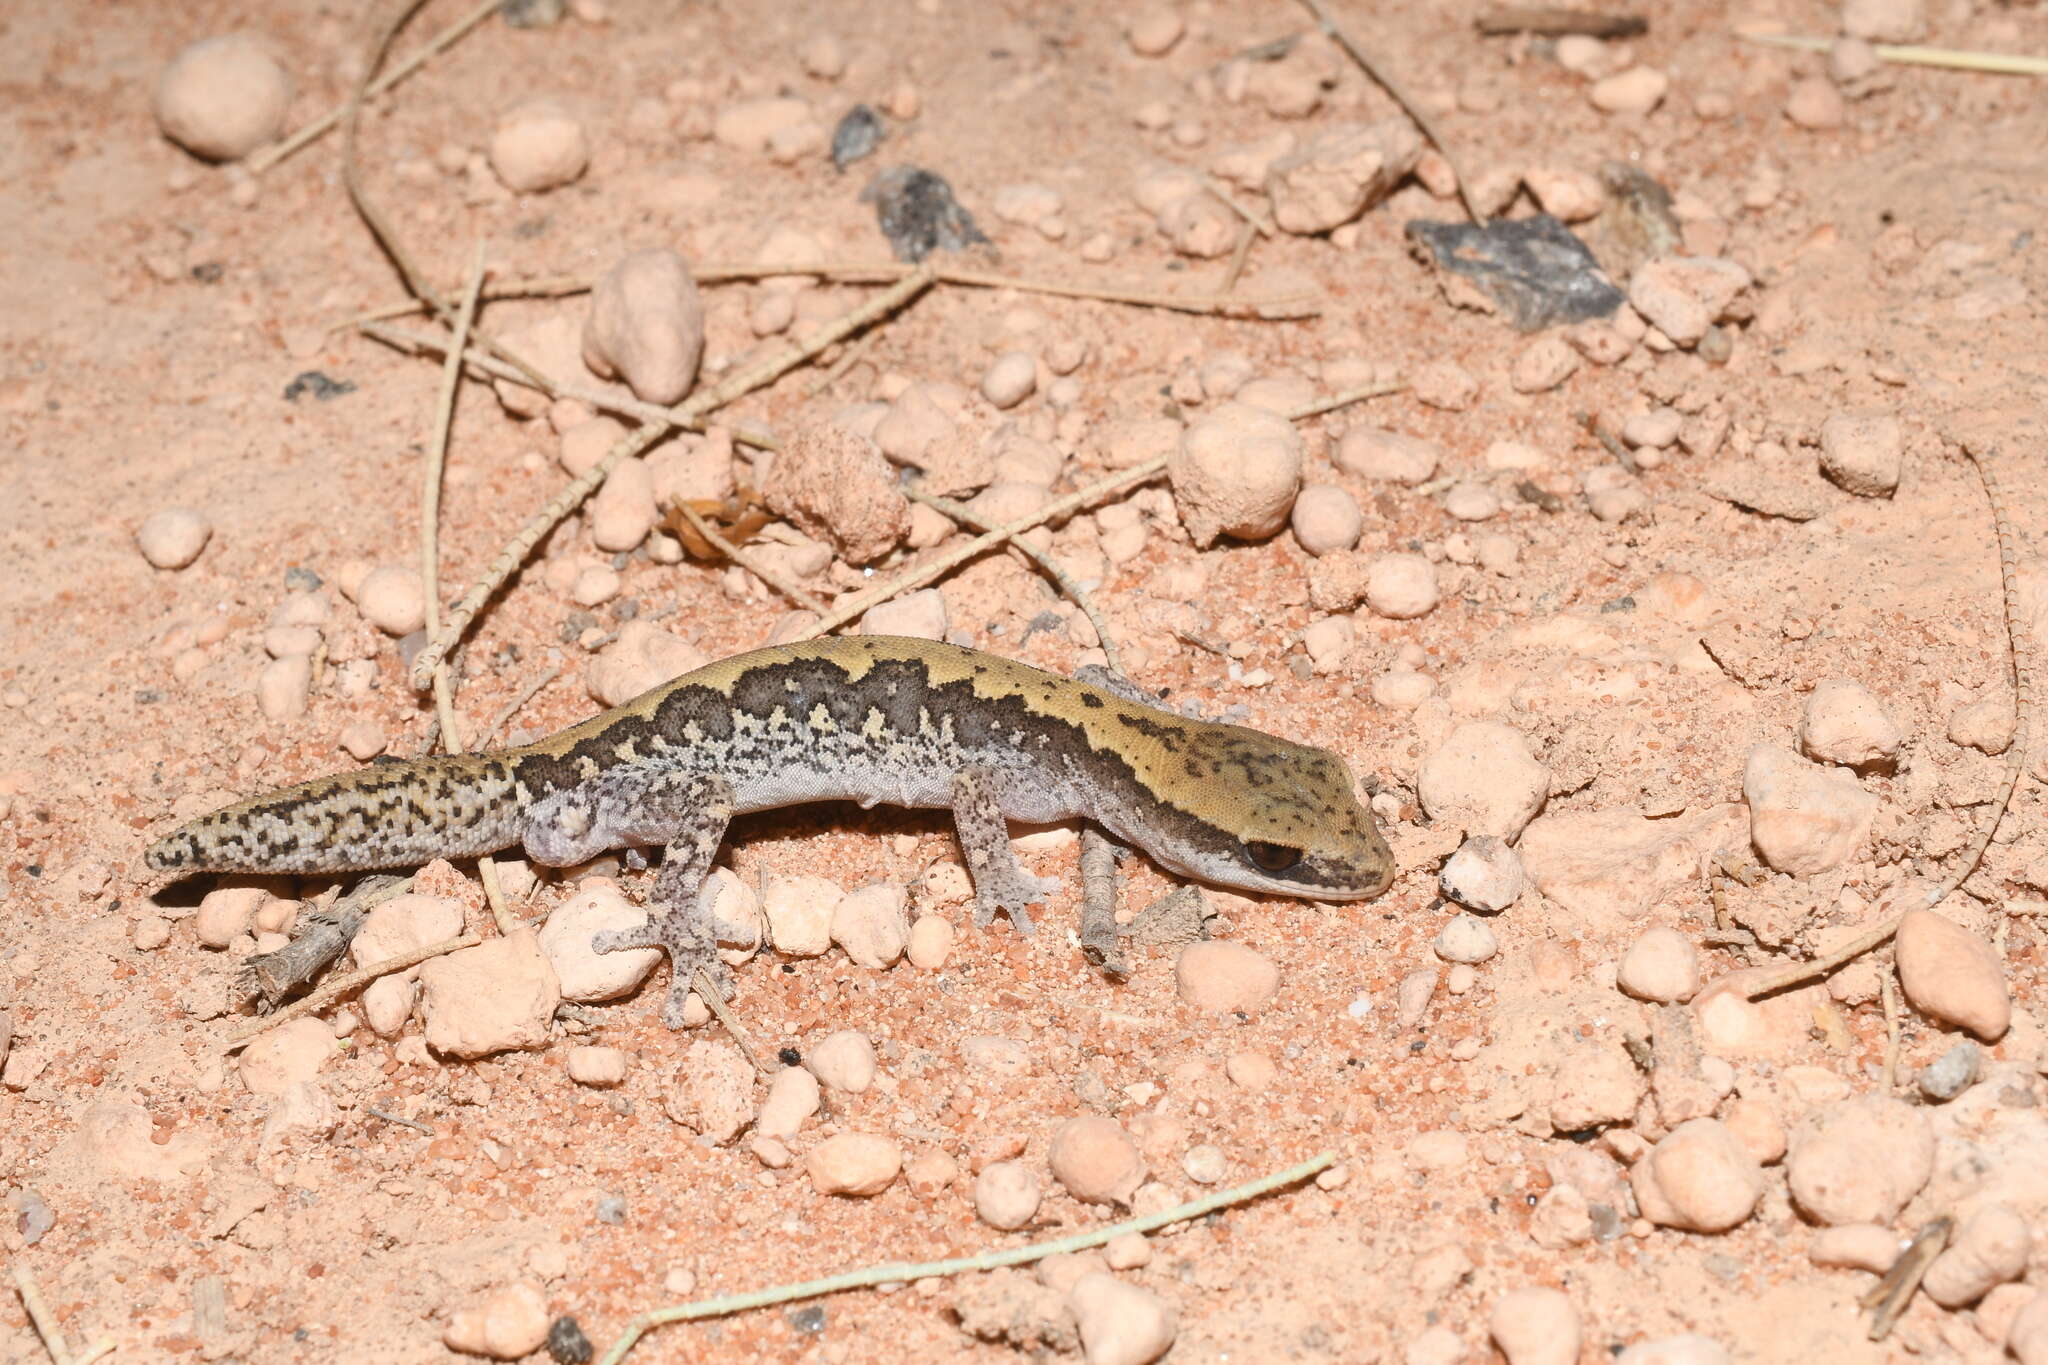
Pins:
<point x="1012" y="896"/>
<point x="689" y="977"/>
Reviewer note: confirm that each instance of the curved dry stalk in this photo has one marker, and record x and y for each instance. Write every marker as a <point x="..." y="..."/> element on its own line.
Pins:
<point x="332" y="991"/>
<point x="898" y="1272"/>
<point x="810" y="601"/>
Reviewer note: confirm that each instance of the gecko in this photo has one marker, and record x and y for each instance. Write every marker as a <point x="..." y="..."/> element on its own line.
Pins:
<point x="873" y="719"/>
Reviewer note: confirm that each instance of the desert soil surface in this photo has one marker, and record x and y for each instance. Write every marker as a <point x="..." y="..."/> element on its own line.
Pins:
<point x="1666" y="644"/>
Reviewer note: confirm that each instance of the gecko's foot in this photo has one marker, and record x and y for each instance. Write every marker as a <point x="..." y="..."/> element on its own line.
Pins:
<point x="1010" y="892"/>
<point x="692" y="947"/>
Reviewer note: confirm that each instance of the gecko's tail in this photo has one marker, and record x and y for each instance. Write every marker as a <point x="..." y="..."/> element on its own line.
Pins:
<point x="385" y="815"/>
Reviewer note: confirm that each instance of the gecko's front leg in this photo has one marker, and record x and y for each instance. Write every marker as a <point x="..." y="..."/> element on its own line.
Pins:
<point x="999" y="882"/>
<point x="688" y="812"/>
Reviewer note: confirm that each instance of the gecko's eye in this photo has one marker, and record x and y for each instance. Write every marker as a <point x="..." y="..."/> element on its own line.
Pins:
<point x="1270" y="857"/>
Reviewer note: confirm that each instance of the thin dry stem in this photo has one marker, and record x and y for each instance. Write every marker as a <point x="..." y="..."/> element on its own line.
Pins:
<point x="988" y="1260"/>
<point x="774" y="578"/>
<point x="263" y="160"/>
<point x="689" y="410"/>
<point x="2016" y="756"/>
<point x="1953" y="59"/>
<point x="332" y="991"/>
<point x="39" y="1313"/>
<point x="1400" y="97"/>
<point x="489" y="735"/>
<point x="962" y="513"/>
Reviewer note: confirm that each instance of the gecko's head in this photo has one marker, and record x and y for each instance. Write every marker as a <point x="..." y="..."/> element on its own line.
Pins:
<point x="1246" y="810"/>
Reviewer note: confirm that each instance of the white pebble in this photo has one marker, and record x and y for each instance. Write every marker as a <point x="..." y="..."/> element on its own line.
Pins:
<point x="1543" y="365"/>
<point x="283" y="688"/>
<point x="1154" y="30"/>
<point x="1401" y="586"/>
<point x="499" y="995"/>
<point x="623" y="512"/>
<point x="1863" y="452"/>
<point x="1637" y="90"/>
<point x="391" y="599"/>
<point x="1843" y="723"/>
<point x="1096" y="1160"/>
<point x="844" y="1060"/>
<point x="1471" y="502"/>
<point x="1699" y="1177"/>
<point x="1682" y="296"/>
<point x="1859" y="1160"/>
<point x="594" y="585"/>
<point x="646" y="325"/>
<point x="1953" y="975"/>
<point x="1372" y="453"/>
<point x="222" y="98"/>
<point x="823" y="56"/>
<point x="1235" y="472"/>
<point x="799" y="911"/>
<point x="505" y="1324"/>
<point x="1986" y="726"/>
<point x="870" y="925"/>
<point x="1120" y="1323"/>
<point x="1467" y="939"/>
<point x="602" y="1067"/>
<point x="173" y="538"/>
<point x="1990" y="1248"/>
<point x="857" y="1165"/>
<point x="1326" y="518"/>
<point x="1661" y="966"/>
<point x="1205" y="1164"/>
<point x="1484" y="874"/>
<point x="1006" y="1195"/>
<point x="539" y="145"/>
<point x="583" y="973"/>
<point x="793" y="1096"/>
<point x="1535" y="1326"/>
<point x="1219" y="976"/>
<point x="1484" y="778"/>
<point x="1010" y="380"/>
<point x="1804" y="819"/>
<point x="921" y="615"/>
<point x="1328" y="641"/>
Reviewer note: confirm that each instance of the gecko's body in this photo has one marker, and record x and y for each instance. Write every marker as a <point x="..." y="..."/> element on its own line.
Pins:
<point x="872" y="719"/>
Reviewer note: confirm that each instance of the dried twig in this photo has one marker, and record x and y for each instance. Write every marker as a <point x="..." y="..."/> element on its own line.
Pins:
<point x="1400" y="97"/>
<point x="2016" y="755"/>
<point x="751" y="562"/>
<point x="39" y="1313"/>
<point x="430" y="560"/>
<point x="1890" y="1295"/>
<point x="1552" y="23"/>
<point x="489" y="734"/>
<point x="263" y="160"/>
<point x="1994" y="63"/>
<point x="707" y="991"/>
<point x="566" y="501"/>
<point x="1890" y="995"/>
<point x="898" y="1272"/>
<point x="333" y="990"/>
<point x="399" y="1119"/>
<point x="965" y="515"/>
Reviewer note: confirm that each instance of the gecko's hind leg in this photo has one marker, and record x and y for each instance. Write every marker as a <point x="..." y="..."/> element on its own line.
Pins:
<point x="999" y="882"/>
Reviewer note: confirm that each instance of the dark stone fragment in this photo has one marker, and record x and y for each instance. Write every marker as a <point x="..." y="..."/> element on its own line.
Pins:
<point x="857" y="136"/>
<point x="1533" y="269"/>
<point x="918" y="213"/>
<point x="566" y="1342"/>
<point x="316" y="384"/>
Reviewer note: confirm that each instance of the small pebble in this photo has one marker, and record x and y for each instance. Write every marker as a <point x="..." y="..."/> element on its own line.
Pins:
<point x="623" y="512"/>
<point x="1483" y="777"/>
<point x="1401" y="586"/>
<point x="1485" y="874"/>
<point x="505" y="1324"/>
<point x="1251" y="1071"/>
<point x="497" y="996"/>
<point x="1816" y="104"/>
<point x="1700" y="1178"/>
<point x="799" y="911"/>
<point x="823" y="56"/>
<point x="583" y="974"/>
<point x="1859" y="1160"/>
<point x="1863" y="452"/>
<point x="1543" y="364"/>
<point x="858" y="1165"/>
<point x="596" y="1066"/>
<point x="1205" y="1164"/>
<point x="1661" y="966"/>
<point x="1131" y="1251"/>
<point x="1010" y="380"/>
<point x="537" y="146"/>
<point x="222" y="98"/>
<point x="1855" y="1246"/>
<point x="1842" y="722"/>
<point x="1006" y="1195"/>
<point x="1326" y="518"/>
<point x="1535" y="1326"/>
<point x="1467" y="939"/>
<point x="1096" y="1160"/>
<point x="1989" y="1248"/>
<point x="793" y="1096"/>
<point x="1235" y="472"/>
<point x="646" y="325"/>
<point x="1950" y="1074"/>
<point x="1328" y="641"/>
<point x="283" y="688"/>
<point x="870" y="925"/>
<point x="931" y="942"/>
<point x="1153" y="31"/>
<point x="1120" y="1324"/>
<point x="1471" y="502"/>
<point x="1952" y="975"/>
<point x="1371" y="453"/>
<point x="391" y="599"/>
<point x="594" y="585"/>
<point x="1757" y="1129"/>
<point x="1986" y="726"/>
<point x="225" y="914"/>
<point x="1637" y="90"/>
<point x="921" y="615"/>
<point x="173" y="538"/>
<point x="2027" y="1338"/>
<point x="931" y="1173"/>
<point x="1682" y="296"/>
<point x="1220" y="976"/>
<point x="844" y="1060"/>
<point x="1804" y="819"/>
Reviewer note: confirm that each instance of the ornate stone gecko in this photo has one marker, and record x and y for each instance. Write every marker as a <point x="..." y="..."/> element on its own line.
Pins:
<point x="872" y="719"/>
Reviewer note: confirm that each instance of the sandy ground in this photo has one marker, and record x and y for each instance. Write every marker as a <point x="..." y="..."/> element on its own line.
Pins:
<point x="154" y="318"/>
